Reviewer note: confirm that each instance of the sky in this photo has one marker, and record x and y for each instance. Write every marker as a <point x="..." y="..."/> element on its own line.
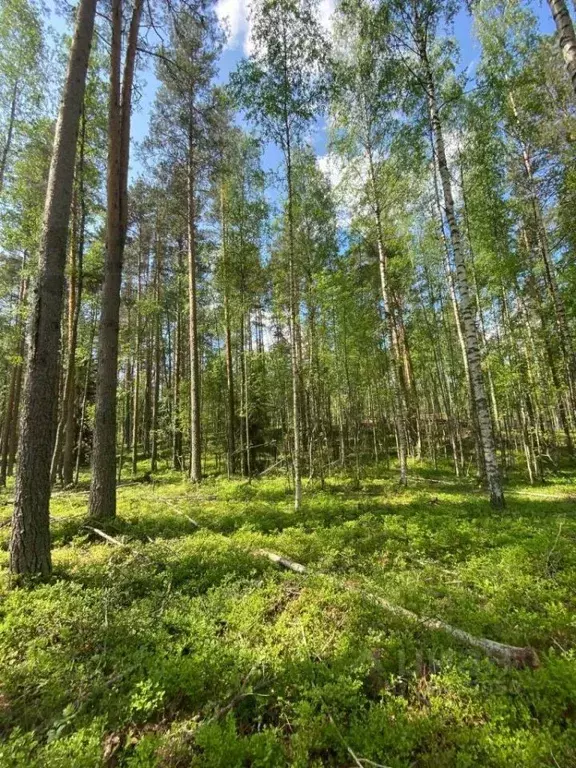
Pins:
<point x="235" y="14"/>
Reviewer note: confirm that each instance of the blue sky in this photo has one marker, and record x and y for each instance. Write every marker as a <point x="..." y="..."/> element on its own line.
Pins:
<point x="236" y="14"/>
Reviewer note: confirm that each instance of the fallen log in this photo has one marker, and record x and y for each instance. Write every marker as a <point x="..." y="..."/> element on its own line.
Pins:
<point x="284" y="561"/>
<point x="509" y="655"/>
<point x="178" y="511"/>
<point x="105" y="536"/>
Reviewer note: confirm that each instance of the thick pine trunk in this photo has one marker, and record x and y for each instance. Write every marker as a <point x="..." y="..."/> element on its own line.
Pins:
<point x="102" y="504"/>
<point x="30" y="540"/>
<point x="103" y="484"/>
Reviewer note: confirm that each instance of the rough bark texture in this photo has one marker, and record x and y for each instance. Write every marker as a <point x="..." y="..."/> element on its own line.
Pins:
<point x="102" y="503"/>
<point x="30" y="540"/>
<point x="467" y="307"/>
<point x="566" y="36"/>
<point x="103" y="485"/>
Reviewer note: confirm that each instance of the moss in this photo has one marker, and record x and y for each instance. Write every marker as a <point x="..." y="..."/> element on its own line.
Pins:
<point x="183" y="649"/>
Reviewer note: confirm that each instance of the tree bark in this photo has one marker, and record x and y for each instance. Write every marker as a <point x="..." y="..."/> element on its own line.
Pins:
<point x="136" y="380"/>
<point x="246" y="404"/>
<point x="466" y="298"/>
<point x="10" y="424"/>
<point x="566" y="36"/>
<point x="102" y="503"/>
<point x="195" y="435"/>
<point x="177" y="461"/>
<point x="70" y="423"/>
<point x="64" y="445"/>
<point x="400" y="409"/>
<point x="9" y="133"/>
<point x="30" y="540"/>
<point x="230" y="402"/>
<point x="85" y="398"/>
<point x="157" y="357"/>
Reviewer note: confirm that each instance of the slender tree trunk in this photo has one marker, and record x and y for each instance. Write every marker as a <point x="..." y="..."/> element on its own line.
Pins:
<point x="65" y="430"/>
<point x="157" y="357"/>
<point x="246" y="406"/>
<point x="195" y="435"/>
<point x="136" y="379"/>
<point x="9" y="133"/>
<point x="13" y="435"/>
<point x="466" y="298"/>
<point x="147" y="409"/>
<point x="231" y="415"/>
<point x="10" y="424"/>
<point x="9" y="417"/>
<point x="566" y="36"/>
<point x="399" y="406"/>
<point x="102" y="504"/>
<point x="244" y="418"/>
<point x="70" y="422"/>
<point x="30" y="539"/>
<point x="85" y="398"/>
<point x="177" y="462"/>
<point x="294" y="331"/>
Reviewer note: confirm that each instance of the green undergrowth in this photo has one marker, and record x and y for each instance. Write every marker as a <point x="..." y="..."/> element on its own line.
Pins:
<point x="181" y="648"/>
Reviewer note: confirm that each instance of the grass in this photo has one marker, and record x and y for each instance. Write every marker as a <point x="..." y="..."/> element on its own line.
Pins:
<point x="183" y="649"/>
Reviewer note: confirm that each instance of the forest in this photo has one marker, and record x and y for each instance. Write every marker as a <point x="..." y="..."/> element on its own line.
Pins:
<point x="287" y="383"/>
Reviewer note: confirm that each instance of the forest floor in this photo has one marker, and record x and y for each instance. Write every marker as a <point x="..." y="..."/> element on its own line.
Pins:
<point x="183" y="648"/>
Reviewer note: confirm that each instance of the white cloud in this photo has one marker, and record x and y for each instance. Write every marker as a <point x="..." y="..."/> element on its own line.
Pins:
<point x="344" y="185"/>
<point x="234" y="14"/>
<point x="326" y="10"/>
<point x="331" y="168"/>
